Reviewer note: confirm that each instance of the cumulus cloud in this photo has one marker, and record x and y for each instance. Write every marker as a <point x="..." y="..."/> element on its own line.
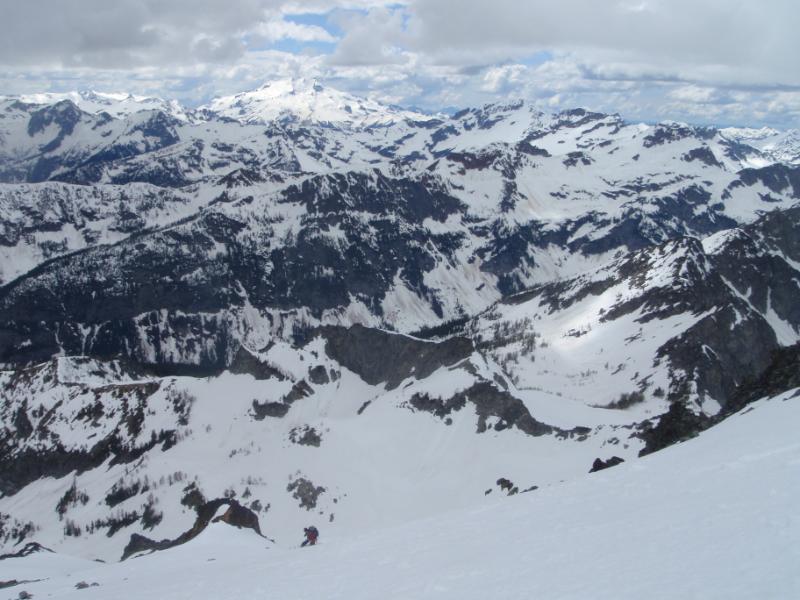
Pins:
<point x="705" y="60"/>
<point x="728" y="34"/>
<point x="504" y="78"/>
<point x="279" y="29"/>
<point x="373" y="38"/>
<point x="695" y="94"/>
<point x="128" y="34"/>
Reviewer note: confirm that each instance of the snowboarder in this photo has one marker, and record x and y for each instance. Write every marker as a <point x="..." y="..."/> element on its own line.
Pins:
<point x="312" y="533"/>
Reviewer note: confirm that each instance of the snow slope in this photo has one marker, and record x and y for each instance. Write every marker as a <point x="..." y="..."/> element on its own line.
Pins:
<point x="377" y="457"/>
<point x="714" y="517"/>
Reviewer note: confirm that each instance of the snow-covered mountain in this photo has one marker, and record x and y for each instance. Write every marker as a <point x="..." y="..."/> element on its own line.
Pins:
<point x="118" y="105"/>
<point x="305" y="100"/>
<point x="777" y="146"/>
<point x="295" y="303"/>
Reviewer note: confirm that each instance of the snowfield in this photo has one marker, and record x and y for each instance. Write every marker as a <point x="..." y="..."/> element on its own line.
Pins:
<point x="714" y="517"/>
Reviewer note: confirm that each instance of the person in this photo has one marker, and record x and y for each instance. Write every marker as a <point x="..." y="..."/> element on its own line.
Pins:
<point x="312" y="533"/>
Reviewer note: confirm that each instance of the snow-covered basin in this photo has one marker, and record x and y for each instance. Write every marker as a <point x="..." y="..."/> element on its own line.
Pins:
<point x="714" y="517"/>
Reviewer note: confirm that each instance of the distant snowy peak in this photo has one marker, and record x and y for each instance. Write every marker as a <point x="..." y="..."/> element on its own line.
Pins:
<point x="516" y="112"/>
<point x="118" y="105"/>
<point x="306" y="100"/>
<point x="777" y="146"/>
<point x="513" y="122"/>
<point x="750" y="134"/>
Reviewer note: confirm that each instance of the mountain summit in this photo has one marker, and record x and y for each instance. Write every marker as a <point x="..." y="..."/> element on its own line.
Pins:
<point x="305" y="100"/>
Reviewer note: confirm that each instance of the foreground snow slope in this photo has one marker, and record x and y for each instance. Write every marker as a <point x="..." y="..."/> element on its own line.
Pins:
<point x="714" y="517"/>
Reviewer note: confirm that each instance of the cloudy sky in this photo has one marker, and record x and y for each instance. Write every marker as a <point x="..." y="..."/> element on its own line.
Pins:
<point x="704" y="61"/>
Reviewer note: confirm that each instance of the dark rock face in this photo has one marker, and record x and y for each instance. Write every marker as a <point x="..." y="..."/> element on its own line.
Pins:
<point x="673" y="132"/>
<point x="676" y="425"/>
<point x="64" y="114"/>
<point x="26" y="550"/>
<point x="573" y="158"/>
<point x="436" y="406"/>
<point x="240" y="516"/>
<point x="776" y="177"/>
<point x="510" y="411"/>
<point x="704" y="155"/>
<point x="491" y="403"/>
<point x="367" y="266"/>
<point x="299" y="390"/>
<point x="753" y="263"/>
<point x="305" y="436"/>
<point x="781" y="375"/>
<point x="319" y="375"/>
<point x="306" y="492"/>
<point x="720" y="352"/>
<point x="735" y="342"/>
<point x="245" y="362"/>
<point x="236" y="515"/>
<point x="381" y="357"/>
<point x="679" y="423"/>
<point x="737" y="150"/>
<point x="599" y="464"/>
<point x="506" y="485"/>
<point x="505" y="251"/>
<point x="269" y="409"/>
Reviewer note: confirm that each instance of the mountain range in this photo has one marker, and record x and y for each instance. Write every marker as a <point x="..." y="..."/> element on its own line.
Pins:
<point x="308" y="305"/>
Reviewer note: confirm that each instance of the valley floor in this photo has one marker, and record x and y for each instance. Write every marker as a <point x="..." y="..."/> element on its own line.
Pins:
<point x="714" y="517"/>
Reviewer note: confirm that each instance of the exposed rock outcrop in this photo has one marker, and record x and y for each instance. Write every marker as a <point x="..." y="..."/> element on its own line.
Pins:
<point x="599" y="464"/>
<point x="236" y="515"/>
<point x="382" y="357"/>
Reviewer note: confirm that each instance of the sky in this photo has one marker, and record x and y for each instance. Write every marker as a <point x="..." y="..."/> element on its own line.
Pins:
<point x="725" y="62"/>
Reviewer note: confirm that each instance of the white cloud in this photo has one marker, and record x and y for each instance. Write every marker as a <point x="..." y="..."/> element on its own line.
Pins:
<point x="733" y="61"/>
<point x="501" y="79"/>
<point x="375" y="38"/>
<point x="279" y="29"/>
<point x="694" y="94"/>
<point x="734" y="39"/>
